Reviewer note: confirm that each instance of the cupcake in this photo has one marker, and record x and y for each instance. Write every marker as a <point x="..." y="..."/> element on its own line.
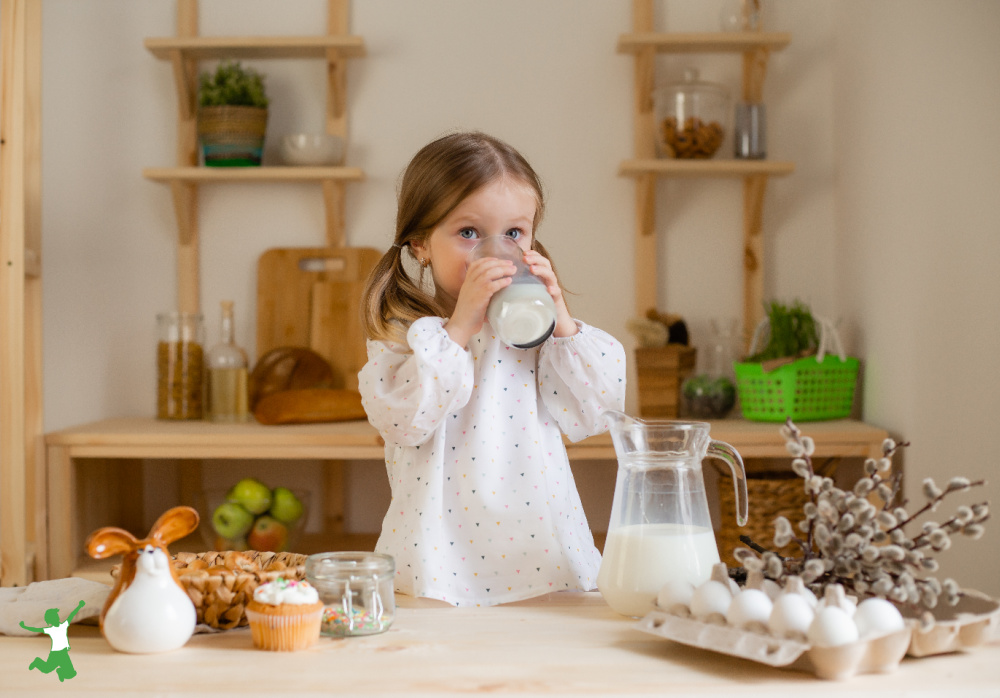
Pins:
<point x="284" y="615"/>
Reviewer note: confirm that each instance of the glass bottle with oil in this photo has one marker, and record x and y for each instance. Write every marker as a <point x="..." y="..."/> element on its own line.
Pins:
<point x="227" y="375"/>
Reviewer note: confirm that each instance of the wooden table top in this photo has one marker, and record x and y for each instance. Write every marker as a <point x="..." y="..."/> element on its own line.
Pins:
<point x="566" y="643"/>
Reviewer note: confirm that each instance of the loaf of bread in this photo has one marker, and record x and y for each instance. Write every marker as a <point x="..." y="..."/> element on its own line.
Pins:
<point x="309" y="405"/>
<point x="288" y="368"/>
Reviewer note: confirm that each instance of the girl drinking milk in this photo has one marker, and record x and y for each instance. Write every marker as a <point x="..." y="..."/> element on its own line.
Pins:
<point x="484" y="507"/>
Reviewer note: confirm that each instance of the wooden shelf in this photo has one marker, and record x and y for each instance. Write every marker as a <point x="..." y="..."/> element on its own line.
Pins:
<point x="145" y="437"/>
<point x="643" y="43"/>
<point x="240" y="47"/>
<point x="708" y="42"/>
<point x="253" y="174"/>
<point x="668" y="167"/>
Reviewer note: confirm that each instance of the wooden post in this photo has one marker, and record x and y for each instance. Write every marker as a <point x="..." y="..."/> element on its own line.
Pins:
<point x="34" y="427"/>
<point x="753" y="254"/>
<point x="644" y="137"/>
<point x="186" y="195"/>
<point x="337" y="24"/>
<point x="754" y="70"/>
<point x="20" y="324"/>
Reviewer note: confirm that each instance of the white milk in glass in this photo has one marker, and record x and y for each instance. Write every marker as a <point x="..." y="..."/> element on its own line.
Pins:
<point x="523" y="314"/>
<point x="641" y="558"/>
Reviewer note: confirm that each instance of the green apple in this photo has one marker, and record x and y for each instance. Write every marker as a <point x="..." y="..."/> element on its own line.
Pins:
<point x="285" y="506"/>
<point x="231" y="521"/>
<point x="252" y="494"/>
<point x="268" y="534"/>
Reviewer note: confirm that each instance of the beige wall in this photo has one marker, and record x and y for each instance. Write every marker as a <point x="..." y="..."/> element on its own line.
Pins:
<point x="881" y="225"/>
<point x="918" y="238"/>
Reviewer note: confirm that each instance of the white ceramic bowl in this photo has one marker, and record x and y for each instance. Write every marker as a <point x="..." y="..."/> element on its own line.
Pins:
<point x="312" y="149"/>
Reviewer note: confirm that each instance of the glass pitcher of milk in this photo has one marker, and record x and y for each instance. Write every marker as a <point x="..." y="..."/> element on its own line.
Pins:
<point x="522" y="314"/>
<point x="660" y="528"/>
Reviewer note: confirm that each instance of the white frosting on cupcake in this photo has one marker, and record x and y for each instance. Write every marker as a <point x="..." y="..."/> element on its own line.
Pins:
<point x="288" y="591"/>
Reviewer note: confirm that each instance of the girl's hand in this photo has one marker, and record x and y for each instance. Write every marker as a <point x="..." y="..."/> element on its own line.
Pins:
<point x="542" y="268"/>
<point x="483" y="278"/>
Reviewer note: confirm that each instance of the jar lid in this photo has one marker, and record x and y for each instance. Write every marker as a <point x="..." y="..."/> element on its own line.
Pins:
<point x="691" y="81"/>
<point x="341" y="565"/>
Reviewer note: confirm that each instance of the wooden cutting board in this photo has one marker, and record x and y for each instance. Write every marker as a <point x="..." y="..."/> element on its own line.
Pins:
<point x="311" y="297"/>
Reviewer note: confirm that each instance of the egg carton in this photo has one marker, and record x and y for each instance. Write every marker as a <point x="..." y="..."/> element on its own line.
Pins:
<point x="879" y="654"/>
<point x="972" y="622"/>
<point x="975" y="619"/>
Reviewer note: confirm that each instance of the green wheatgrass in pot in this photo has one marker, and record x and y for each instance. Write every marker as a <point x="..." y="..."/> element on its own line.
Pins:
<point x="793" y="332"/>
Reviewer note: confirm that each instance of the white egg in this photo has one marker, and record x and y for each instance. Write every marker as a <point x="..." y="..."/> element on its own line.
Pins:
<point x="749" y="609"/>
<point x="709" y="599"/>
<point x="675" y="596"/>
<point x="832" y="627"/>
<point x="790" y="616"/>
<point x="877" y="617"/>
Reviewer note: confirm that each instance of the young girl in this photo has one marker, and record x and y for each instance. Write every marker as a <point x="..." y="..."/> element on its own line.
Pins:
<point x="484" y="506"/>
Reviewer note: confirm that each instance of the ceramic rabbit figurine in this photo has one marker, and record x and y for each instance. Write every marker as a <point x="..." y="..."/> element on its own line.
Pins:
<point x="148" y="609"/>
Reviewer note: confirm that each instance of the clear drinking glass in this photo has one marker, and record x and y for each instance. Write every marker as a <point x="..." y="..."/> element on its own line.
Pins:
<point x="523" y="314"/>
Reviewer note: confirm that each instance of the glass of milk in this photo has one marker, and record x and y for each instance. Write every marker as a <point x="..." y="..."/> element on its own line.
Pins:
<point x="660" y="528"/>
<point x="523" y="314"/>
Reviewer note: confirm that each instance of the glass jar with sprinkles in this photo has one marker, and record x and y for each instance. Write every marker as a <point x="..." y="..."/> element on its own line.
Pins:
<point x="356" y="589"/>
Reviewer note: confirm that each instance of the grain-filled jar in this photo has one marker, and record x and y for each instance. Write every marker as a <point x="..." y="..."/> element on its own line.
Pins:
<point x="356" y="589"/>
<point x="180" y="366"/>
<point x="691" y="117"/>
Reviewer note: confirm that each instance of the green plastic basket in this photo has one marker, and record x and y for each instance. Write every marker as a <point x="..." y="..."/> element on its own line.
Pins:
<point x="805" y="390"/>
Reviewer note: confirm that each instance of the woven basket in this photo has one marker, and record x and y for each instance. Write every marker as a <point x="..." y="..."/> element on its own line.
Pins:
<point x="813" y="388"/>
<point x="221" y="584"/>
<point x="232" y="136"/>
<point x="769" y="495"/>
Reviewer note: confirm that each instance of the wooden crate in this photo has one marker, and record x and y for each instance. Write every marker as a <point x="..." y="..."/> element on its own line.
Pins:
<point x="660" y="371"/>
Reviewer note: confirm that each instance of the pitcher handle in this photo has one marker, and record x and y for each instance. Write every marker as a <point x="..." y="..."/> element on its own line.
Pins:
<point x="728" y="454"/>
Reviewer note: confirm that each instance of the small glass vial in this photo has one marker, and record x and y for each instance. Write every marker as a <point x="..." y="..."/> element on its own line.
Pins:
<point x="227" y="375"/>
<point x="750" y="132"/>
<point x="356" y="589"/>
<point x="180" y="366"/>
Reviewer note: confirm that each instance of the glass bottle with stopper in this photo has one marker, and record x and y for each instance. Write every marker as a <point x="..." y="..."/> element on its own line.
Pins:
<point x="227" y="375"/>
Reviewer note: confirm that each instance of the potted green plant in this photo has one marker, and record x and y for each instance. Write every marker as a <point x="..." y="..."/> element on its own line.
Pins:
<point x="232" y="115"/>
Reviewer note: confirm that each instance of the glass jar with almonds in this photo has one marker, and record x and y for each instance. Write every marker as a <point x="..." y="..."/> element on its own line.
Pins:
<point x="691" y="117"/>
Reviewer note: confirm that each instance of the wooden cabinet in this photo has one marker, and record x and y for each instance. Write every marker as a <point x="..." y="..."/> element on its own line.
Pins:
<point x="644" y="43"/>
<point x="93" y="474"/>
<point x="184" y="52"/>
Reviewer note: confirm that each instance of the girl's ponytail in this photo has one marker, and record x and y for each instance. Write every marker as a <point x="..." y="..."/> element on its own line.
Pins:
<point x="392" y="300"/>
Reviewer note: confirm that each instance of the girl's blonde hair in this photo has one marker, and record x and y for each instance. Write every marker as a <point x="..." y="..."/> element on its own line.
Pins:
<point x="439" y="177"/>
